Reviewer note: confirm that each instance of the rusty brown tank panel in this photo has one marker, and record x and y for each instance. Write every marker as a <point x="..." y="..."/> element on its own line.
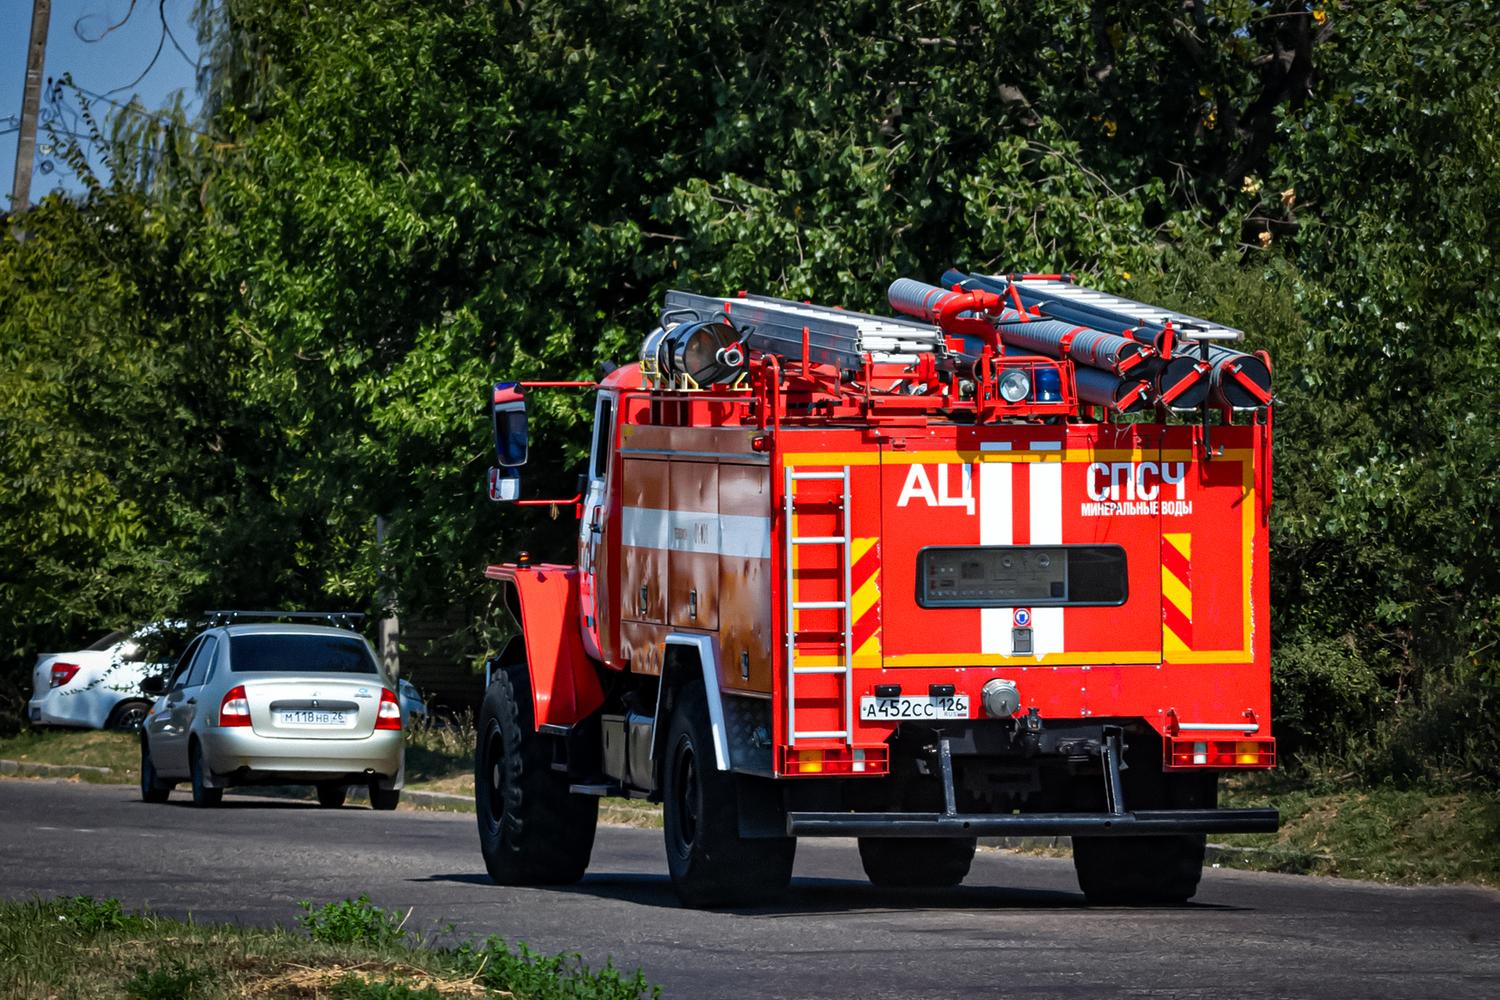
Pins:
<point x="644" y="501"/>
<point x="745" y="607"/>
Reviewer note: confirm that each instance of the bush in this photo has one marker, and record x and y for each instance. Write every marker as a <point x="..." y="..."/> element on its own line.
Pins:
<point x="352" y="921"/>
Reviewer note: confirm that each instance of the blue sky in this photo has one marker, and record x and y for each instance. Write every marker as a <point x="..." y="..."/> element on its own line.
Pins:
<point x="99" y="64"/>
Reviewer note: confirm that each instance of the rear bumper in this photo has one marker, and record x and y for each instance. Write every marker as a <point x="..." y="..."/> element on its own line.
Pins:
<point x="61" y="708"/>
<point x="239" y="754"/>
<point x="1141" y="823"/>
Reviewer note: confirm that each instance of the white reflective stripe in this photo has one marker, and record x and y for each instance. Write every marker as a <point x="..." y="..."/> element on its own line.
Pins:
<point x="996" y="484"/>
<point x="1046" y="529"/>
<point x="644" y="528"/>
<point x="1045" y="446"/>
<point x="738" y="535"/>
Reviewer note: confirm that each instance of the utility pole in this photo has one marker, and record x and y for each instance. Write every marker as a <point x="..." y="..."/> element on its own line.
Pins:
<point x="31" y="105"/>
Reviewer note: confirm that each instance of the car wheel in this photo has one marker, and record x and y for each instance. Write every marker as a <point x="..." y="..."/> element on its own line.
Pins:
<point x="128" y="716"/>
<point x="202" y="794"/>
<point x="331" y="794"/>
<point x="384" y="799"/>
<point x="153" y="789"/>
<point x="916" y="862"/>
<point x="710" y="863"/>
<point x="532" y="829"/>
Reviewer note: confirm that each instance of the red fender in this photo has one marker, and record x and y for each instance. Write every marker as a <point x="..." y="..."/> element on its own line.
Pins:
<point x="544" y="600"/>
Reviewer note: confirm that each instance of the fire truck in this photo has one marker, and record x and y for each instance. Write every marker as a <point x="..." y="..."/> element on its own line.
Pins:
<point x="993" y="567"/>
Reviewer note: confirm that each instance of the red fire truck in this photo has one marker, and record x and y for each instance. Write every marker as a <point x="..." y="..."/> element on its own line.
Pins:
<point x="996" y="567"/>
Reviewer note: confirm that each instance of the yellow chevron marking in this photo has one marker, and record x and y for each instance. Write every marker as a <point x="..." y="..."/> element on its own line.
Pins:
<point x="1176" y="592"/>
<point x="866" y="596"/>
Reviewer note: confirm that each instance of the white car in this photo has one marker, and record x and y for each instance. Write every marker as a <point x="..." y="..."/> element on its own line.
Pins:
<point x="98" y="687"/>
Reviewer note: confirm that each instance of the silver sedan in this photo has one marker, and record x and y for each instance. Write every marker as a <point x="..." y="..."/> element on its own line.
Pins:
<point x="274" y="705"/>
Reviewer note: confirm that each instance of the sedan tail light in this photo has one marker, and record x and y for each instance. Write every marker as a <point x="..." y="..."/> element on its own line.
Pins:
<point x="389" y="714"/>
<point x="62" y="673"/>
<point x="234" y="710"/>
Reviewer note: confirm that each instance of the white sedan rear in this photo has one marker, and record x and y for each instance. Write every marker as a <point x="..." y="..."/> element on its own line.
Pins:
<point x="279" y="705"/>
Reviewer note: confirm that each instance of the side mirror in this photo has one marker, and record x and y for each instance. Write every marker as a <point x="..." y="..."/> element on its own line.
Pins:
<point x="155" y="685"/>
<point x="505" y="485"/>
<point x="508" y="411"/>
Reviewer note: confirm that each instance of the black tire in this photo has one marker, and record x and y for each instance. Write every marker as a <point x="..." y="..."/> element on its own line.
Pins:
<point x="128" y="716"/>
<point x="384" y="799"/>
<point x="916" y="862"/>
<point x="1139" y="871"/>
<point x="331" y="794"/>
<point x="203" y="796"/>
<point x="710" y="863"/>
<point x="532" y="830"/>
<point x="1147" y="871"/>
<point x="153" y="789"/>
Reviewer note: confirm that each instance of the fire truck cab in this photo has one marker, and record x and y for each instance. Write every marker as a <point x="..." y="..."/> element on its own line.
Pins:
<point x="994" y="568"/>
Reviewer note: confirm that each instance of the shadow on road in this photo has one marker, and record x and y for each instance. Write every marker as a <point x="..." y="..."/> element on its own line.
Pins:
<point x="237" y="804"/>
<point x="814" y="895"/>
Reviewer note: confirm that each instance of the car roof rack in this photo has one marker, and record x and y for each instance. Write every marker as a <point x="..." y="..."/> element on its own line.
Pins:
<point x="338" y="619"/>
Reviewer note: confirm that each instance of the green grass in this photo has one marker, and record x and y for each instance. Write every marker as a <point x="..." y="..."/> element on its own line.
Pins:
<point x="91" y="747"/>
<point x="84" y="948"/>
<point x="1386" y="833"/>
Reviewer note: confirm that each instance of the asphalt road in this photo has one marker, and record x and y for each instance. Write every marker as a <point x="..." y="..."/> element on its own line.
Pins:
<point x="1018" y="927"/>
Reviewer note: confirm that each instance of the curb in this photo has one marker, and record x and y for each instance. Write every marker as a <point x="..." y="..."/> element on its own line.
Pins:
<point x="28" y="769"/>
<point x="1213" y="854"/>
<point x="357" y="793"/>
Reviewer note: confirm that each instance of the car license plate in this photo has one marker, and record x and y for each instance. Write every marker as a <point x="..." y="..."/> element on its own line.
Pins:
<point x="311" y="717"/>
<point x="914" y="707"/>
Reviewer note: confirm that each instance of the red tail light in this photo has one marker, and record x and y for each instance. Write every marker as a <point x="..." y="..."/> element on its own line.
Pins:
<point x="234" y="710"/>
<point x="1240" y="752"/>
<point x="62" y="673"/>
<point x="841" y="760"/>
<point x="388" y="716"/>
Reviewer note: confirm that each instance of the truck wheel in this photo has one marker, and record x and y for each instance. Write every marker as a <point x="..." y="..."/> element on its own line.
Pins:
<point x="710" y="863"/>
<point x="1137" y="871"/>
<point x="916" y="862"/>
<point x="532" y="830"/>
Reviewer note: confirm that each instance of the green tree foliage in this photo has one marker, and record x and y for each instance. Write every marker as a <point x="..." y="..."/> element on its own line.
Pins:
<point x="390" y="204"/>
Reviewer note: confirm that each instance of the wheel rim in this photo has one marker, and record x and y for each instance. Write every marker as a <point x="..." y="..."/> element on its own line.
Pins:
<point x="131" y="719"/>
<point x="685" y="795"/>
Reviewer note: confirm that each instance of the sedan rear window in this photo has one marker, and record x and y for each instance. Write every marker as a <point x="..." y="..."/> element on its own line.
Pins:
<point x="310" y="654"/>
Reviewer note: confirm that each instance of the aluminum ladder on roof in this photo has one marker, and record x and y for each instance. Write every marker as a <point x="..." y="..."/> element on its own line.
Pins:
<point x="842" y="542"/>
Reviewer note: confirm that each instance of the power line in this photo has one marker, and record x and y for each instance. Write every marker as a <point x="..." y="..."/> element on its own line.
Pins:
<point x="133" y="108"/>
<point x="78" y="26"/>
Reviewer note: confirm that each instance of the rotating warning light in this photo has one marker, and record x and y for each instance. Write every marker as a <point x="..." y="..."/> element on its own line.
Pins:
<point x="1015" y="386"/>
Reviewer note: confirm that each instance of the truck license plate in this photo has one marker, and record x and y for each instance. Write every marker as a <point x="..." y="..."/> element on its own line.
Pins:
<point x="915" y="707"/>
<point x="304" y="717"/>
